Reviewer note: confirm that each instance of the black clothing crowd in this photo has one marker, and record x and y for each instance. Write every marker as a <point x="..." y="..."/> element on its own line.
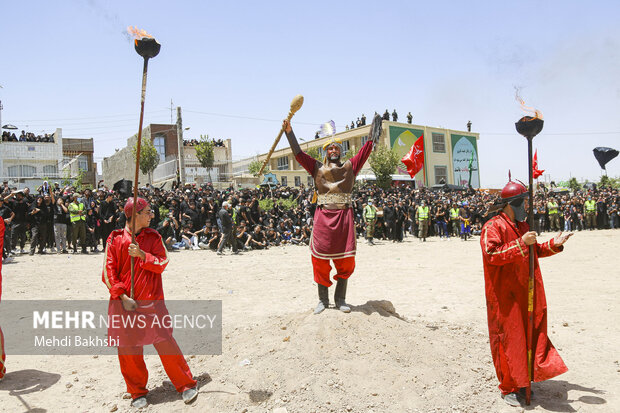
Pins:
<point x="193" y="217"/>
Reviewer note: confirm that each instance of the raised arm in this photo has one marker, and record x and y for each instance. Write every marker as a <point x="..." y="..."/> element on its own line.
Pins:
<point x="305" y="160"/>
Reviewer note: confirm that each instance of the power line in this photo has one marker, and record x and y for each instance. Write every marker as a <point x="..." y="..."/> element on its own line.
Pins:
<point x="92" y="117"/>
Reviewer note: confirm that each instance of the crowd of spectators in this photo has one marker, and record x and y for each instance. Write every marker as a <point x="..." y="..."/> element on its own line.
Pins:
<point x="26" y="137"/>
<point x="191" y="217"/>
<point x="194" y="142"/>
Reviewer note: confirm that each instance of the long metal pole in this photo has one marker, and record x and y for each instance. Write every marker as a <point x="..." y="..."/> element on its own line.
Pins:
<point x="530" y="289"/>
<point x="135" y="181"/>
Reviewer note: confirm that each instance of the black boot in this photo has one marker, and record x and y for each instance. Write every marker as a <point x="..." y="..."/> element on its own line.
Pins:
<point x="340" y="295"/>
<point x="323" y="299"/>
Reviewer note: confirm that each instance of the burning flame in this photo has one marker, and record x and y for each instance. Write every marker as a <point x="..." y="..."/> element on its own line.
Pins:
<point x="137" y="34"/>
<point x="536" y="112"/>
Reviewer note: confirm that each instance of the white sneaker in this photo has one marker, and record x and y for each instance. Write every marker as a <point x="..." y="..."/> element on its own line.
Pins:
<point x="8" y="259"/>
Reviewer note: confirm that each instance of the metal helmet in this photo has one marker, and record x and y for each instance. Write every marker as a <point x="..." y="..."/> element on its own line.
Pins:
<point x="513" y="191"/>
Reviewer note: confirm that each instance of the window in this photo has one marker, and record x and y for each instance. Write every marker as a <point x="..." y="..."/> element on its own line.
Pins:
<point x="22" y="171"/>
<point x="283" y="163"/>
<point x="159" y="142"/>
<point x="345" y="148"/>
<point x="310" y="181"/>
<point x="364" y="139"/>
<point x="283" y="180"/>
<point x="441" y="175"/>
<point x="50" y="170"/>
<point x="83" y="163"/>
<point x="439" y="143"/>
<point x="298" y="181"/>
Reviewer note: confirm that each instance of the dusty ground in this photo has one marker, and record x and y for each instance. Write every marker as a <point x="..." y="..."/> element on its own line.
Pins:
<point x="416" y="340"/>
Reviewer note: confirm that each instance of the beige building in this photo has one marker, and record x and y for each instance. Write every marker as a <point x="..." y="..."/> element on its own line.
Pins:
<point x="121" y="165"/>
<point x="447" y="154"/>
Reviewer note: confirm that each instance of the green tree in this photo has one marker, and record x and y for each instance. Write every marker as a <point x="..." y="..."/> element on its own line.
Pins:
<point x="383" y="163"/>
<point x="574" y="185"/>
<point x="205" y="153"/>
<point x="254" y="168"/>
<point x="314" y="152"/>
<point x="149" y="158"/>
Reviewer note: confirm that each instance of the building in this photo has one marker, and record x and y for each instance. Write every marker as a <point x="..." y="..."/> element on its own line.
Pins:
<point x="447" y="155"/>
<point x="28" y="164"/>
<point x="78" y="158"/>
<point x="121" y="165"/>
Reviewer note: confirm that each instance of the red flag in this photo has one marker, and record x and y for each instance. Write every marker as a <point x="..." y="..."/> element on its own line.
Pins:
<point x="535" y="171"/>
<point x="414" y="160"/>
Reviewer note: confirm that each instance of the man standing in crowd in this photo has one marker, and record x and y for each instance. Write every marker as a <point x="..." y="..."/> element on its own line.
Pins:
<point x="422" y="216"/>
<point x="589" y="210"/>
<point x="150" y="260"/>
<point x="227" y="229"/>
<point x="78" y="223"/>
<point x="61" y="221"/>
<point x="7" y="215"/>
<point x="455" y="222"/>
<point x="504" y="240"/>
<point x="20" y="207"/>
<point x="333" y="236"/>
<point x="370" y="217"/>
<point x="554" y="215"/>
<point x="107" y="213"/>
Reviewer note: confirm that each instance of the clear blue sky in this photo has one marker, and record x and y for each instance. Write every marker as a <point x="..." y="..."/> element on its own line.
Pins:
<point x="67" y="64"/>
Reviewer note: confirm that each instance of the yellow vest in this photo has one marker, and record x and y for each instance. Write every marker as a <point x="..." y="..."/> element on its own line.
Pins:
<point x="370" y="212"/>
<point x="590" y="206"/>
<point x="73" y="212"/>
<point x="422" y="213"/>
<point x="553" y="208"/>
<point x="454" y="213"/>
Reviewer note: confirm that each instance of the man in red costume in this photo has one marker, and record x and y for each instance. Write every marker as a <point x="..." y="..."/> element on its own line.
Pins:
<point x="505" y="239"/>
<point x="150" y="260"/>
<point x="2" y="355"/>
<point x="333" y="234"/>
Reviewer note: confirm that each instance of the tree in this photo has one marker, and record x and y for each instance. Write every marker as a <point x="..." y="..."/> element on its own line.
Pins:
<point x="205" y="153"/>
<point x="149" y="158"/>
<point x="383" y="162"/>
<point x="574" y="185"/>
<point x="314" y="152"/>
<point x="255" y="166"/>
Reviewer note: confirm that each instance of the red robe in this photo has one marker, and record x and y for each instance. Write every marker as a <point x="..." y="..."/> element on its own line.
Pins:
<point x="2" y="355"/>
<point x="148" y="289"/>
<point x="333" y="231"/>
<point x="506" y="273"/>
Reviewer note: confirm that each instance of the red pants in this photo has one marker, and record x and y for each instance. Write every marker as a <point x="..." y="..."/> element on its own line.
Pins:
<point x="322" y="268"/>
<point x="136" y="375"/>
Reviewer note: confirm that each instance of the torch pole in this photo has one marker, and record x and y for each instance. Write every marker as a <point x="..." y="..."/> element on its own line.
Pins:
<point x="530" y="289"/>
<point x="135" y="181"/>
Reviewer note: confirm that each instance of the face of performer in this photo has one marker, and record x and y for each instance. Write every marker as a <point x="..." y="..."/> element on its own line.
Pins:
<point x="333" y="153"/>
<point x="143" y="218"/>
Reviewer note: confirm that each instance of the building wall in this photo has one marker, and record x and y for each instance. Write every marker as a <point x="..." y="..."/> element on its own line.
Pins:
<point x="37" y="155"/>
<point x="73" y="147"/>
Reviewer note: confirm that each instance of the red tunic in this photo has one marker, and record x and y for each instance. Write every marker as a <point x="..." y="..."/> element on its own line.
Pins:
<point x="506" y="273"/>
<point x="147" y="284"/>
<point x="333" y="232"/>
<point x="2" y="355"/>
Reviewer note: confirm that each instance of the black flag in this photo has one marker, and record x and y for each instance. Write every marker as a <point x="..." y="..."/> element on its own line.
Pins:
<point x="604" y="155"/>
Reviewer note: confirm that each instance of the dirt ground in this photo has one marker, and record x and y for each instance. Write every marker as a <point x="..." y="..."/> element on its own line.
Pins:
<point x="416" y="340"/>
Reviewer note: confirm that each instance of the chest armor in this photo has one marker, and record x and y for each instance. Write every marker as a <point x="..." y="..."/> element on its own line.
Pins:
<point x="335" y="179"/>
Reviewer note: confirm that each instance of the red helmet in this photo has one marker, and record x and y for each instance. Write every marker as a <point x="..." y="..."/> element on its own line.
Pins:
<point x="129" y="206"/>
<point x="514" y="190"/>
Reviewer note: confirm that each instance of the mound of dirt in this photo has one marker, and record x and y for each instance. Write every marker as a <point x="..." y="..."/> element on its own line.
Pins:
<point x="369" y="360"/>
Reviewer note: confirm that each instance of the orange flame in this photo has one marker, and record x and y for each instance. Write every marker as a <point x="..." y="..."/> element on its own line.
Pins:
<point x="137" y="34"/>
<point x="537" y="114"/>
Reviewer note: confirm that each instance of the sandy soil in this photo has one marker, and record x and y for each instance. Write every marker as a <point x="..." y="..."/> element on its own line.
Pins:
<point x="416" y="340"/>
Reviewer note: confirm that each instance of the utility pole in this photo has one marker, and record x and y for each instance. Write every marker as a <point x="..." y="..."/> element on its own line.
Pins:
<point x="180" y="146"/>
<point x="171" y="110"/>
